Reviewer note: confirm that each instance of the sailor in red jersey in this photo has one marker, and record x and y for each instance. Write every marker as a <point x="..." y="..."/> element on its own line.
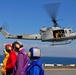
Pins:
<point x="11" y="60"/>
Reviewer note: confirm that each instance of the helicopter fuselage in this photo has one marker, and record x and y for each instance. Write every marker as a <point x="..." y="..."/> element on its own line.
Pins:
<point x="56" y="34"/>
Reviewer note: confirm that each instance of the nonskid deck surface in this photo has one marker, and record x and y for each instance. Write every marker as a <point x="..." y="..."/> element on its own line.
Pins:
<point x="58" y="70"/>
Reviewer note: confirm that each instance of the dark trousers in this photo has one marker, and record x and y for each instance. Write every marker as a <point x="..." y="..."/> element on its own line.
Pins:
<point x="9" y="72"/>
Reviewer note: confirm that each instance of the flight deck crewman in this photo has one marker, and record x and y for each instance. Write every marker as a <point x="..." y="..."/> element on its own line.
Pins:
<point x="35" y="68"/>
<point x="22" y="60"/>
<point x="3" y="70"/>
<point x="11" y="60"/>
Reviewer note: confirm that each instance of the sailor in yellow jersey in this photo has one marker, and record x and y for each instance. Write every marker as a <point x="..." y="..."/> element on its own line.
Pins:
<point x="3" y="70"/>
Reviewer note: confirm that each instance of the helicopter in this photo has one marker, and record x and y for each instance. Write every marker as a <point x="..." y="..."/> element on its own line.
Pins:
<point x="53" y="34"/>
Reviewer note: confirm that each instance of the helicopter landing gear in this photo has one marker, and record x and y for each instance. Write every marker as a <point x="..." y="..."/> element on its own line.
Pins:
<point x="63" y="43"/>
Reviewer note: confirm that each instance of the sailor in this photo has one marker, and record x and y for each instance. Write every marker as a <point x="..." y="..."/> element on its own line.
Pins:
<point x="35" y="68"/>
<point x="11" y="59"/>
<point x="3" y="69"/>
<point x="22" y="60"/>
<point x="57" y="35"/>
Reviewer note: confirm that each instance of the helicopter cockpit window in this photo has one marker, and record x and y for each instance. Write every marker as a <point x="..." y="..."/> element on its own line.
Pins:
<point x="71" y="31"/>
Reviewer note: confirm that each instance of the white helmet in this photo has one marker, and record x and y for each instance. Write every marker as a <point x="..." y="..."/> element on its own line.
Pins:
<point x="35" y="52"/>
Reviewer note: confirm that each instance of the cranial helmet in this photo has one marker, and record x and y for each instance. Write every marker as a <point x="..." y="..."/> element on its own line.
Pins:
<point x="17" y="42"/>
<point x="35" y="53"/>
<point x="8" y="45"/>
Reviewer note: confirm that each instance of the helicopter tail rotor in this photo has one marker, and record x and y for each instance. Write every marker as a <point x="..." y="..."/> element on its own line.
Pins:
<point x="4" y="26"/>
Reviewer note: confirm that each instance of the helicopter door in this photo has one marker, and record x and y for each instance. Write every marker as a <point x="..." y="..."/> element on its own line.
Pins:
<point x="58" y="33"/>
<point x="55" y="34"/>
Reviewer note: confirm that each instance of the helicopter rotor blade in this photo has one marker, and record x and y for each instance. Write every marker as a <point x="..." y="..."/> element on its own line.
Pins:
<point x="52" y="9"/>
<point x="56" y="20"/>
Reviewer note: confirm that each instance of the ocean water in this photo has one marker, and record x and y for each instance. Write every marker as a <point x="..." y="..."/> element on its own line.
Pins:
<point x="58" y="60"/>
<point x="52" y="60"/>
<point x="1" y="58"/>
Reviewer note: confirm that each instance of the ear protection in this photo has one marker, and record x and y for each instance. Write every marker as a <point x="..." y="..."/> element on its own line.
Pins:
<point x="17" y="42"/>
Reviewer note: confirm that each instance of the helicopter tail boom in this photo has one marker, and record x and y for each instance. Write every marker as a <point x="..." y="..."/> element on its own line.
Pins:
<point x="23" y="36"/>
<point x="4" y="32"/>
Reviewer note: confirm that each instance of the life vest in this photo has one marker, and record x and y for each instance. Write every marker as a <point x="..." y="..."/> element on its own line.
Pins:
<point x="31" y="66"/>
